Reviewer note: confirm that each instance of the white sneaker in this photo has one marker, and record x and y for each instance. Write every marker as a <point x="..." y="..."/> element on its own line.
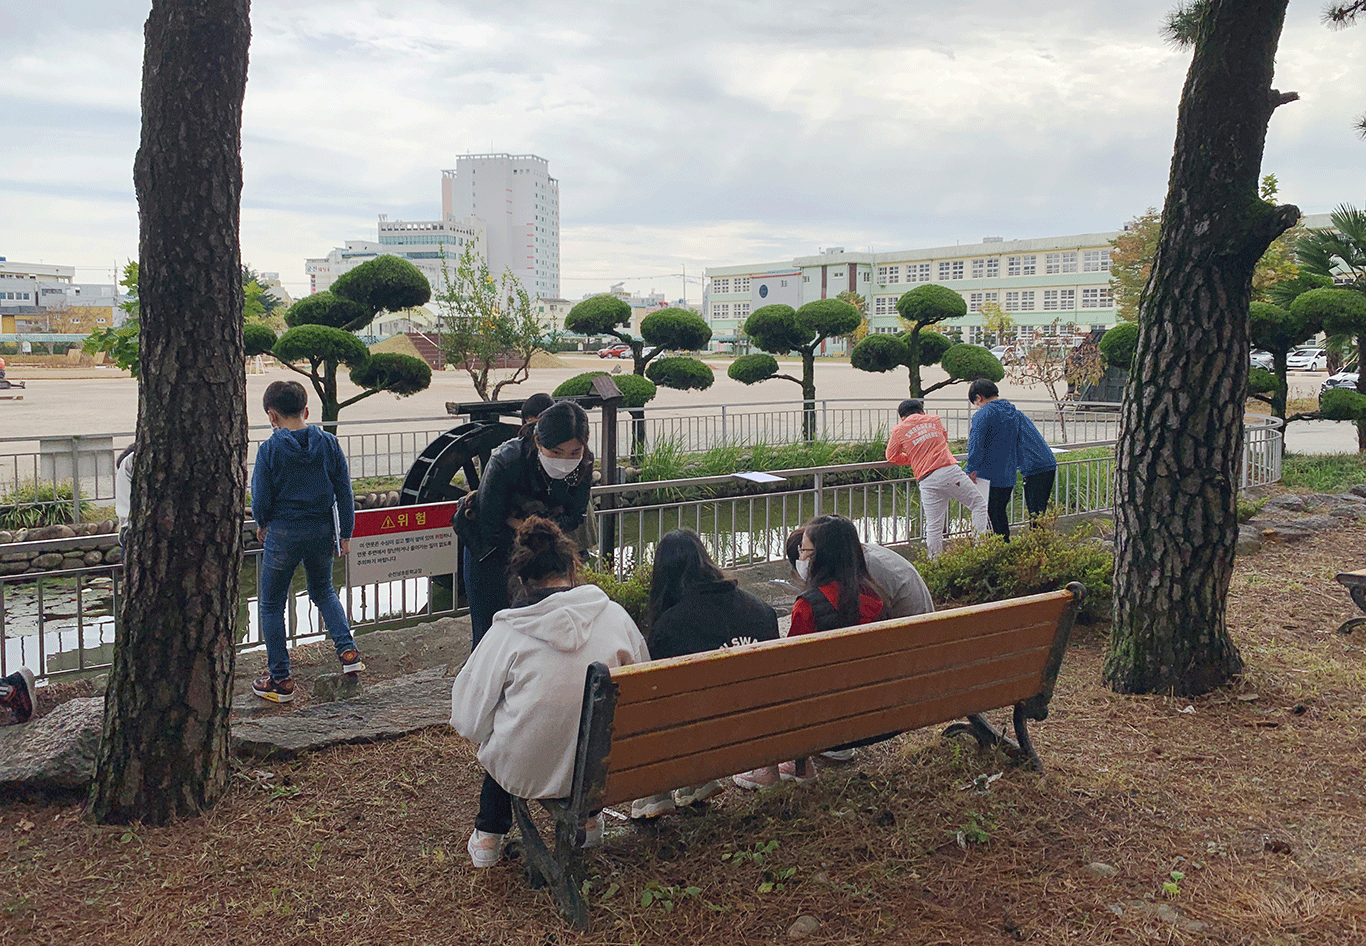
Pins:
<point x="592" y="831"/>
<point x="695" y="794"/>
<point x="787" y="771"/>
<point x="838" y="755"/>
<point x="652" y="807"/>
<point x="485" y="849"/>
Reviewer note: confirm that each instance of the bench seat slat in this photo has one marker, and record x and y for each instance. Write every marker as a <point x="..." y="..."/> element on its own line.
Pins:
<point x="647" y="713"/>
<point x="663" y="774"/>
<point x="760" y="662"/>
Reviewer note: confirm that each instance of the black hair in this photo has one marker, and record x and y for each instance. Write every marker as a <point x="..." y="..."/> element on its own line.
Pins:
<point x="681" y="564"/>
<point x="534" y="406"/>
<point x="562" y="421"/>
<point x="838" y="557"/>
<point x="286" y="398"/>
<point x="541" y="551"/>
<point x="912" y="405"/>
<point x="124" y="455"/>
<point x="792" y="548"/>
<point x="982" y="388"/>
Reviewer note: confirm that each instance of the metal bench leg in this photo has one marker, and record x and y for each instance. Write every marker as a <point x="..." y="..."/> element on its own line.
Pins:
<point x="1026" y="746"/>
<point x="561" y="871"/>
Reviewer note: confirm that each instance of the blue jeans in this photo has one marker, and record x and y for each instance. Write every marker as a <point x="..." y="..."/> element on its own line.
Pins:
<point x="286" y="546"/>
<point x="486" y="592"/>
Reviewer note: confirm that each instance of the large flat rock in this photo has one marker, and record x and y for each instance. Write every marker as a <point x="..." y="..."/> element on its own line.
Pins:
<point x="383" y="711"/>
<point x="53" y="753"/>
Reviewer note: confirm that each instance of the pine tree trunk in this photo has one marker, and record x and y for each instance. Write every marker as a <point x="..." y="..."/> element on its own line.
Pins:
<point x="1181" y="434"/>
<point x="165" y="747"/>
<point x="809" y="393"/>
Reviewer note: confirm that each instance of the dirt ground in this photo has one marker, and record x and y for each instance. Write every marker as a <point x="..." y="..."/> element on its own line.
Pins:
<point x="1230" y="819"/>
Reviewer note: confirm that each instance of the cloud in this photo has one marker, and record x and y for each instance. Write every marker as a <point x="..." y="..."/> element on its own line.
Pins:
<point x="683" y="132"/>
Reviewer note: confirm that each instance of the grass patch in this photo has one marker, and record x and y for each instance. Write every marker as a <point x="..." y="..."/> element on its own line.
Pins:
<point x="34" y="505"/>
<point x="1331" y="473"/>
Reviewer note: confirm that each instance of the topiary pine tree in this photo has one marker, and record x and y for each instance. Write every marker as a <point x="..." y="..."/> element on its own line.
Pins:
<point x="920" y="308"/>
<point x="779" y="329"/>
<point x="670" y="329"/>
<point x="881" y="353"/>
<point x="321" y="334"/>
<point x="1340" y="312"/>
<point x="1276" y="331"/>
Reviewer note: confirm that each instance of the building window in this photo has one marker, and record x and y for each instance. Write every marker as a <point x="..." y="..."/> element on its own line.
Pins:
<point x="720" y="285"/>
<point x="782" y="283"/>
<point x="740" y="284"/>
<point x="1060" y="262"/>
<point x="943" y="272"/>
<point x="979" y="268"/>
<point x="1095" y="261"/>
<point x="1096" y="299"/>
<point x="977" y="299"/>
<point x="922" y="272"/>
<point x="887" y="275"/>
<point x="957" y="269"/>
<point x="866" y="275"/>
<point x="741" y="310"/>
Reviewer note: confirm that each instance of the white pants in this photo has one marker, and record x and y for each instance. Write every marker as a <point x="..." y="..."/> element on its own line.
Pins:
<point x="936" y="489"/>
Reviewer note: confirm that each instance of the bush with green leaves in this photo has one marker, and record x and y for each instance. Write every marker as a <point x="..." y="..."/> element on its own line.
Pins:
<point x="34" y="505"/>
<point x="631" y="592"/>
<point x="1035" y="561"/>
<point x="1118" y="345"/>
<point x="681" y="374"/>
<point x="635" y="391"/>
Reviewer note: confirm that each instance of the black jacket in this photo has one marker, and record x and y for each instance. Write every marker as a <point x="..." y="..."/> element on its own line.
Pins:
<point x="516" y="485"/>
<point x="713" y="615"/>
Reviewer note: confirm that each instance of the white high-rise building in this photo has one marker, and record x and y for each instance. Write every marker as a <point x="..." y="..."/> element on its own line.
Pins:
<point x="519" y="203"/>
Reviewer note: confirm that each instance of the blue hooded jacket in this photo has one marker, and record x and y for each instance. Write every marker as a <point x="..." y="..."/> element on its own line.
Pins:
<point x="993" y="451"/>
<point x="1036" y="456"/>
<point x="299" y="475"/>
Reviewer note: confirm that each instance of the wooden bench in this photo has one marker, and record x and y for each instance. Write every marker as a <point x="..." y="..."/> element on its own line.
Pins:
<point x="1355" y="583"/>
<point x="656" y="726"/>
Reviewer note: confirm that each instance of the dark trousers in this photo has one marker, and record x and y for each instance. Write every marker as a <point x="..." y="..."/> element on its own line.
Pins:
<point x="486" y="590"/>
<point x="495" y="808"/>
<point x="1038" y="489"/>
<point x="998" y="510"/>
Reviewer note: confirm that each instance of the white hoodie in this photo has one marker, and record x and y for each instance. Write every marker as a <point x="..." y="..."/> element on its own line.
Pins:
<point x="520" y="693"/>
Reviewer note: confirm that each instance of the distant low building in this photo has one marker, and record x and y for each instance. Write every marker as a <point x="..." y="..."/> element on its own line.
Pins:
<point x="45" y="298"/>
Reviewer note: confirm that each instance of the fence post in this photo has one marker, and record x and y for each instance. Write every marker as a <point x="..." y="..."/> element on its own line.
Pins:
<point x="723" y="423"/>
<point x="75" y="480"/>
<point x="820" y="484"/>
<point x="825" y="421"/>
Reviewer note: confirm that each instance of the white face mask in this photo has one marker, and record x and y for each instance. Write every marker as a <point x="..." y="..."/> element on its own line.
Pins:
<point x="558" y="469"/>
<point x="803" y="567"/>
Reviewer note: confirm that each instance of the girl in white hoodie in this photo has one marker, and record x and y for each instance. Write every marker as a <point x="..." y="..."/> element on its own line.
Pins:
<point x="519" y="694"/>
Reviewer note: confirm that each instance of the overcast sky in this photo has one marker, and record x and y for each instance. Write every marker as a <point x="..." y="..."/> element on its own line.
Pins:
<point x="684" y="133"/>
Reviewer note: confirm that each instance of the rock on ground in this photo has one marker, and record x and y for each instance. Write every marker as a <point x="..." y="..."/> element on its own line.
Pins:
<point x="55" y="752"/>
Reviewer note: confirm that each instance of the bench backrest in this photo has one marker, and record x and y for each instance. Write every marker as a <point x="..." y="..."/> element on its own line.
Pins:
<point x="664" y="724"/>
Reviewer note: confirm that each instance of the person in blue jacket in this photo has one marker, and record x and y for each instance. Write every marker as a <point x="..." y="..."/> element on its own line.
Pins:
<point x="301" y="501"/>
<point x="1039" y="465"/>
<point x="993" y="450"/>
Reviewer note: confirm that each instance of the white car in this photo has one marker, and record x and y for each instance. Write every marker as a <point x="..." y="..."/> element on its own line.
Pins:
<point x="1007" y="354"/>
<point x="1307" y="359"/>
<point x="1263" y="359"/>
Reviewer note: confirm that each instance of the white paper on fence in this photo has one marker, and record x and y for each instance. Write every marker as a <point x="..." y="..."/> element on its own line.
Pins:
<point x="984" y="485"/>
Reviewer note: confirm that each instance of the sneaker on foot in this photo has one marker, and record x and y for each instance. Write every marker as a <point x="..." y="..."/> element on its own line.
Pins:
<point x="21" y="694"/>
<point x="592" y="831"/>
<point x="485" y="849"/>
<point x="696" y="794"/>
<point x="278" y="691"/>
<point x="838" y="755"/>
<point x="350" y="661"/>
<point x="652" y="807"/>
<point x="787" y="771"/>
<point x="755" y="779"/>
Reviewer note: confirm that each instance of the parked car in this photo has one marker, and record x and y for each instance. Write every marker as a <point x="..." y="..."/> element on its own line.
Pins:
<point x="1008" y="354"/>
<point x="1343" y="379"/>
<point x="619" y="350"/>
<point x="1307" y="359"/>
<point x="1263" y="359"/>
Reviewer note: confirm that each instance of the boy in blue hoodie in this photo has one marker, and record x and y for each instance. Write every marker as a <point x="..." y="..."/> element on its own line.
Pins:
<point x="301" y="501"/>
<point x="993" y="450"/>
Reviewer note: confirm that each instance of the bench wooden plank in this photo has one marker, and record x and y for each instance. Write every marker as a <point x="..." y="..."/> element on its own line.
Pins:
<point x="721" y="761"/>
<point x="682" y="674"/>
<point x="648" y="713"/>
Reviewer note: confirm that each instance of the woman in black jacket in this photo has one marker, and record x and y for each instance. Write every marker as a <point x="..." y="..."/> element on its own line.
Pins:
<point x="694" y="607"/>
<point x="546" y="474"/>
